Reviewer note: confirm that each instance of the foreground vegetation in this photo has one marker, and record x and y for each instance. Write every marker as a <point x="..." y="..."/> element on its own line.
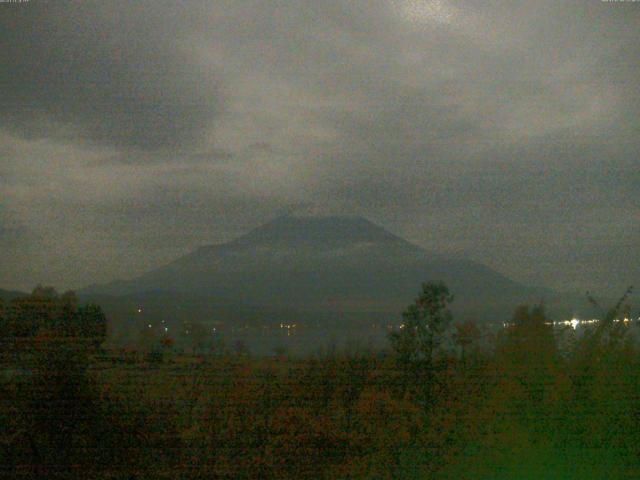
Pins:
<point x="529" y="402"/>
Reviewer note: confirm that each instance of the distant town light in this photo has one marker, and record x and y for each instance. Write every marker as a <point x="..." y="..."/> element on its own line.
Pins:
<point x="574" y="323"/>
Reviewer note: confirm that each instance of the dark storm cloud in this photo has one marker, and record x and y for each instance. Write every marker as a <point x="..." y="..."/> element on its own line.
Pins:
<point x="504" y="131"/>
<point x="111" y="73"/>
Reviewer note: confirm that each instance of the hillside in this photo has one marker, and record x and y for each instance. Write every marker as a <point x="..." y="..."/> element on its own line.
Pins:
<point x="8" y="295"/>
<point x="325" y="266"/>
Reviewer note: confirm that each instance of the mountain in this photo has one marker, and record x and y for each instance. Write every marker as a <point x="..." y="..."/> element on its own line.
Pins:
<point x="324" y="267"/>
<point x="8" y="295"/>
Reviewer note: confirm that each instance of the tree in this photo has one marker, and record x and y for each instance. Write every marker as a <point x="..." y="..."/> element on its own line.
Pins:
<point x="240" y="348"/>
<point x="54" y="402"/>
<point x="529" y="340"/>
<point x="529" y="362"/>
<point x="5" y="332"/>
<point x="3" y="318"/>
<point x="466" y="334"/>
<point x="92" y="323"/>
<point x="196" y="336"/>
<point x="424" y="323"/>
<point x="58" y="315"/>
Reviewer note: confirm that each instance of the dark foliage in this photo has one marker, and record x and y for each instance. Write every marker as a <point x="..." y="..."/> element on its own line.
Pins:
<point x="530" y="402"/>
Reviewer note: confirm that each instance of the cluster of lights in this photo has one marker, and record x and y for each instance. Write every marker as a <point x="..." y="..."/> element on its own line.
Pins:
<point x="162" y="322"/>
<point x="574" y="322"/>
<point x="288" y="326"/>
<point x="624" y="320"/>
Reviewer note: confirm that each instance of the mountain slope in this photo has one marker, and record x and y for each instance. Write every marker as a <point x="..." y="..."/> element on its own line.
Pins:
<point x="8" y="295"/>
<point x="325" y="264"/>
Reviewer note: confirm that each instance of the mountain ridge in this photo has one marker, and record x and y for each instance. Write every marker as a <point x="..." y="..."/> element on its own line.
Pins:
<point x="331" y="263"/>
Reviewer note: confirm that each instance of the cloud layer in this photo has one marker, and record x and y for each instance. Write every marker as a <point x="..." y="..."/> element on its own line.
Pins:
<point x="107" y="73"/>
<point x="502" y="131"/>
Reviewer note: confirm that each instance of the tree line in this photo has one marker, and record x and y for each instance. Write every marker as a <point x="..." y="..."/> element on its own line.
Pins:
<point x="531" y="401"/>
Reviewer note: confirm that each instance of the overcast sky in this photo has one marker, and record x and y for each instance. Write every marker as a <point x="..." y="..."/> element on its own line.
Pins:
<point x="506" y="132"/>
